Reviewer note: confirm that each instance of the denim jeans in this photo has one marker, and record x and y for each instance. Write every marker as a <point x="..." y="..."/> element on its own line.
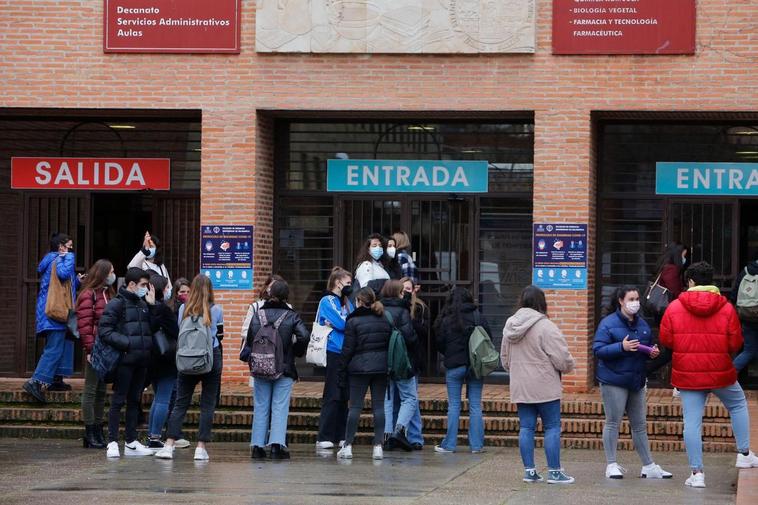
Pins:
<point x="162" y="389"/>
<point x="93" y="397"/>
<point x="130" y="381"/>
<point x="271" y="410"/>
<point x="749" y="348"/>
<point x="616" y="401"/>
<point x="550" y="412"/>
<point x="693" y="405"/>
<point x="359" y="384"/>
<point x="407" y="393"/>
<point x="185" y="387"/>
<point x="333" y="417"/>
<point x="454" y="379"/>
<point x="57" y="358"/>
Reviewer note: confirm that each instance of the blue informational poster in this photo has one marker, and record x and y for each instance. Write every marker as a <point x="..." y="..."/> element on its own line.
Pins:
<point x="226" y="255"/>
<point x="559" y="256"/>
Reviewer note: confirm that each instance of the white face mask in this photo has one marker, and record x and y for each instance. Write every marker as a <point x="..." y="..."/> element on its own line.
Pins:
<point x="633" y="307"/>
<point x="391" y="252"/>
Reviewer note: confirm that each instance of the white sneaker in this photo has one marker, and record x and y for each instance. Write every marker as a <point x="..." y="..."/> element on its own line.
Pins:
<point x="695" y="480"/>
<point x="378" y="453"/>
<point x="136" y="449"/>
<point x="675" y="393"/>
<point x="442" y="450"/>
<point x="113" y="451"/>
<point x="614" y="471"/>
<point x="749" y="461"/>
<point x="324" y="445"/>
<point x="346" y="452"/>
<point x="182" y="443"/>
<point x="653" y="471"/>
<point x="342" y="444"/>
<point x="201" y="454"/>
<point x="166" y="453"/>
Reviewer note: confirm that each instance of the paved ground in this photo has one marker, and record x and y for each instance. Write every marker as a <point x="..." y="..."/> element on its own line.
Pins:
<point x="60" y="472"/>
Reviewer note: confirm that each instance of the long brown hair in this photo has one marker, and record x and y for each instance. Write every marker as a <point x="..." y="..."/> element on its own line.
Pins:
<point x="392" y="289"/>
<point x="416" y="302"/>
<point x="200" y="299"/>
<point x="96" y="276"/>
<point x="367" y="297"/>
<point x="263" y="293"/>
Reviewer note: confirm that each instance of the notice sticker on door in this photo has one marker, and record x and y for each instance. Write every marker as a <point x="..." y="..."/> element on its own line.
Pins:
<point x="559" y="256"/>
<point x="226" y="255"/>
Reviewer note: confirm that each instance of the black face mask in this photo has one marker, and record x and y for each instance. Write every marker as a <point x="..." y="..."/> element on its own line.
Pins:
<point x="347" y="290"/>
<point x="407" y="296"/>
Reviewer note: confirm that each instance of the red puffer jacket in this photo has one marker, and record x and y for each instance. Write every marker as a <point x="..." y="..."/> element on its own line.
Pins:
<point x="703" y="330"/>
<point x="90" y="305"/>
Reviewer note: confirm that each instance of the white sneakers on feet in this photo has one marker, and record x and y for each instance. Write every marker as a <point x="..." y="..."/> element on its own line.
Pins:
<point x="378" y="452"/>
<point x="441" y="450"/>
<point x="135" y="448"/>
<point x="201" y="454"/>
<point x="324" y="445"/>
<point x="653" y="471"/>
<point x="614" y="471"/>
<point x="346" y="452"/>
<point x="166" y="453"/>
<point x="749" y="461"/>
<point x="695" y="480"/>
<point x="182" y="443"/>
<point x="113" y="451"/>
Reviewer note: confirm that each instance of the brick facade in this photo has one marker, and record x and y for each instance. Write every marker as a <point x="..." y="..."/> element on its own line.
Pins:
<point x="51" y="56"/>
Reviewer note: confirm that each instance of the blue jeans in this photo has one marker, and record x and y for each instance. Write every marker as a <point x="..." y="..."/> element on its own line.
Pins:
<point x="454" y="379"/>
<point x="56" y="359"/>
<point x="749" y="348"/>
<point x="550" y="412"/>
<point x="271" y="401"/>
<point x="407" y="392"/>
<point x="415" y="426"/>
<point x="693" y="405"/>
<point x="163" y="387"/>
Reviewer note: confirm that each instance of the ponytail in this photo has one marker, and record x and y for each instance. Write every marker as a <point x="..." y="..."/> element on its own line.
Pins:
<point x="367" y="298"/>
<point x="377" y="308"/>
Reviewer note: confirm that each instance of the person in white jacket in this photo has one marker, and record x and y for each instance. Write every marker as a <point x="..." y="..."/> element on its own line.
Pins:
<point x="371" y="268"/>
<point x="149" y="257"/>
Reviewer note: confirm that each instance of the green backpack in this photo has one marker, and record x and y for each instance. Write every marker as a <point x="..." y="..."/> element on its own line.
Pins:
<point x="398" y="363"/>
<point x="483" y="357"/>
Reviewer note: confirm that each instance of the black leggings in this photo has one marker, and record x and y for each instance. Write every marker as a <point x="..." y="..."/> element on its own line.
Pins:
<point x="130" y="381"/>
<point x="359" y="384"/>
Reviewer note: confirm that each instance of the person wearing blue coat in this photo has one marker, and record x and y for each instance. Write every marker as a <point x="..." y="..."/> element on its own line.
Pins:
<point x="57" y="360"/>
<point x="621" y="372"/>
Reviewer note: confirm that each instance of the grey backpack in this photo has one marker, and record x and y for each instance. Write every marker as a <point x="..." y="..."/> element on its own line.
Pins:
<point x="194" y="349"/>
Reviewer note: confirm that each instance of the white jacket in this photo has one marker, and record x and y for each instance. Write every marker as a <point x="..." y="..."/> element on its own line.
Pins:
<point x="370" y="271"/>
<point x="141" y="261"/>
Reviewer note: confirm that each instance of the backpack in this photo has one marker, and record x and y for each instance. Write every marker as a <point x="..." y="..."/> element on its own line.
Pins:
<point x="747" y="298"/>
<point x="398" y="363"/>
<point x="483" y="357"/>
<point x="194" y="348"/>
<point x="266" y="350"/>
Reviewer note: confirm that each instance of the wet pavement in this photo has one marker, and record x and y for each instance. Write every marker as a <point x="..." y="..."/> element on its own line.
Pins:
<point x="60" y="472"/>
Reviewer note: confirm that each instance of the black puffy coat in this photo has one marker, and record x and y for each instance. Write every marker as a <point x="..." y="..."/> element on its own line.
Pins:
<point x="165" y="319"/>
<point x="295" y="336"/>
<point x="401" y="315"/>
<point x="128" y="324"/>
<point x="367" y="337"/>
<point x="453" y="336"/>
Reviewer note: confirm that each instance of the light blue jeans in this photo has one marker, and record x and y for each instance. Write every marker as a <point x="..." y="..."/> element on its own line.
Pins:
<point x="162" y="389"/>
<point x="454" y="379"/>
<point x="271" y="401"/>
<point x="693" y="404"/>
<point x="57" y="358"/>
<point x="407" y="392"/>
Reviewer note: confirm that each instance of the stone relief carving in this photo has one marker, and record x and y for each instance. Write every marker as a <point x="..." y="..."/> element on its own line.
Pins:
<point x="395" y="26"/>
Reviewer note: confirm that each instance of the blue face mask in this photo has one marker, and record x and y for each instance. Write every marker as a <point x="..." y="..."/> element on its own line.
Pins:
<point x="141" y="292"/>
<point x="152" y="252"/>
<point x="376" y="252"/>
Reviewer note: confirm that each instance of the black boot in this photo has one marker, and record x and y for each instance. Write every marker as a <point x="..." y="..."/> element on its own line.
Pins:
<point x="97" y="431"/>
<point x="58" y="384"/>
<point x="400" y="439"/>
<point x="35" y="389"/>
<point x="279" y="452"/>
<point x="90" y="440"/>
<point x="257" y="452"/>
<point x="389" y="443"/>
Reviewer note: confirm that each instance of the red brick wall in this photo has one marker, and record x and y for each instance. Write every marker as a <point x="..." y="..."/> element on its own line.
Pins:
<point x="51" y="56"/>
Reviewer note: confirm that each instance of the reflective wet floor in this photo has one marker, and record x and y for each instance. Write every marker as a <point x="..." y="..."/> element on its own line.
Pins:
<point x="61" y="472"/>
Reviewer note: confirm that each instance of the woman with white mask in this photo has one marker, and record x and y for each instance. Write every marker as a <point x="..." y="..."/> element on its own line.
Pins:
<point x="623" y="345"/>
<point x="392" y="265"/>
<point x="149" y="258"/>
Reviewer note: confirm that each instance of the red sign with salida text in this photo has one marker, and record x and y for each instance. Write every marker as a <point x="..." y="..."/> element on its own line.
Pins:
<point x="624" y="26"/>
<point x="114" y="174"/>
<point x="171" y="26"/>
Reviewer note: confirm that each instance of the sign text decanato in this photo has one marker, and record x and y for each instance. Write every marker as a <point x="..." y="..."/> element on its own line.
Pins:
<point x="623" y="26"/>
<point x="171" y="26"/>
<point x="114" y="174"/>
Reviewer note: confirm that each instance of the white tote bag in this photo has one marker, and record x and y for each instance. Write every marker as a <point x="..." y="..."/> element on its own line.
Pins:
<point x="316" y="354"/>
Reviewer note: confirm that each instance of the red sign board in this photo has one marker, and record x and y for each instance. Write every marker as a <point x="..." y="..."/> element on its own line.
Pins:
<point x="111" y="174"/>
<point x="623" y="26"/>
<point x="171" y="26"/>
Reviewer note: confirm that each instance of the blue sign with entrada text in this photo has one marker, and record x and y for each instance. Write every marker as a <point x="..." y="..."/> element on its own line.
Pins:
<point x="407" y="176"/>
<point x="706" y="179"/>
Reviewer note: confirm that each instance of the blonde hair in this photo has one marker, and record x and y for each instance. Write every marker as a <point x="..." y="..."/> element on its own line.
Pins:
<point x="200" y="299"/>
<point x="416" y="302"/>
<point x="401" y="241"/>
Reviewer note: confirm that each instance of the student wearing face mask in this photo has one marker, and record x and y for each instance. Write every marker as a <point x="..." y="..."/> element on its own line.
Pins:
<point x="149" y="258"/>
<point x="391" y="263"/>
<point x="623" y="344"/>
<point x="95" y="294"/>
<point x="370" y="270"/>
<point x="179" y="294"/>
<point x="333" y="310"/>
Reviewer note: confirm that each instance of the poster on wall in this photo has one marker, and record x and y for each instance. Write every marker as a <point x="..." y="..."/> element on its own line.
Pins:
<point x="226" y="255"/>
<point x="559" y="256"/>
<point x="624" y="26"/>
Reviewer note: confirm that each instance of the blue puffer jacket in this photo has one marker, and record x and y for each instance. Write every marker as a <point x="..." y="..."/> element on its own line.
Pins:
<point x="616" y="366"/>
<point x="65" y="270"/>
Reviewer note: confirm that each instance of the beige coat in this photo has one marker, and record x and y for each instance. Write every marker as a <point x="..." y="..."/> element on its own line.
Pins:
<point x="535" y="353"/>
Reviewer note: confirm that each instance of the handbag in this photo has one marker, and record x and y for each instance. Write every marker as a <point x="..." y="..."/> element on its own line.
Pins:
<point x="59" y="301"/>
<point x="316" y="354"/>
<point x="164" y="346"/>
<point x="72" y="326"/>
<point x="656" y="298"/>
<point x="105" y="360"/>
